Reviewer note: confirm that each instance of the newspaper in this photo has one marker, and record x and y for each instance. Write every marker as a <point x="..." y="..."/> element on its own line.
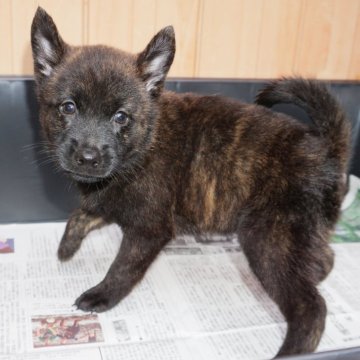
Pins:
<point x="198" y="301"/>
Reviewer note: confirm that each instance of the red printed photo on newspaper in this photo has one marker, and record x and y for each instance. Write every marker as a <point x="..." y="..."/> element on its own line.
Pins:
<point x="59" y="330"/>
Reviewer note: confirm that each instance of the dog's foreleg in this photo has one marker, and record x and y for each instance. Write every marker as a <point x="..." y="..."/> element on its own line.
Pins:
<point x="139" y="248"/>
<point x="79" y="225"/>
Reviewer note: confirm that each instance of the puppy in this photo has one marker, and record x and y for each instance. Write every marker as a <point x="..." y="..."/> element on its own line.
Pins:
<point x="161" y="164"/>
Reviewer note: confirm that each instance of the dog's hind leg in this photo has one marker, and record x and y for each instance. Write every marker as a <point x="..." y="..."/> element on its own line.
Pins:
<point x="79" y="225"/>
<point x="284" y="255"/>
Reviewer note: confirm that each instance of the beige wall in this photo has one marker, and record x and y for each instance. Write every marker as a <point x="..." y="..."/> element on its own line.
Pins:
<point x="215" y="38"/>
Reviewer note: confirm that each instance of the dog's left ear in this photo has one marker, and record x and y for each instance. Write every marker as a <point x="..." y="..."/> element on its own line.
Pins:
<point x="47" y="45"/>
<point x="155" y="61"/>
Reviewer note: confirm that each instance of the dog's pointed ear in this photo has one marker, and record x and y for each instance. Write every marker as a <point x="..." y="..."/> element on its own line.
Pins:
<point x="47" y="46"/>
<point x="155" y="61"/>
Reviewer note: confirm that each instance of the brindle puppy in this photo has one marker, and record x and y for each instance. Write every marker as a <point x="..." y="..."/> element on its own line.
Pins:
<point x="159" y="163"/>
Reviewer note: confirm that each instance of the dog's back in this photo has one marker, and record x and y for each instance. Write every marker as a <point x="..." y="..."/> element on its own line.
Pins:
<point x="228" y="156"/>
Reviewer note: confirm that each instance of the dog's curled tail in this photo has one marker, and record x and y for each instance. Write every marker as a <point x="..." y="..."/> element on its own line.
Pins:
<point x="320" y="105"/>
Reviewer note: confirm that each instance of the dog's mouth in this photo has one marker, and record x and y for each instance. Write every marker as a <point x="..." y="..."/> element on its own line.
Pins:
<point x="85" y="178"/>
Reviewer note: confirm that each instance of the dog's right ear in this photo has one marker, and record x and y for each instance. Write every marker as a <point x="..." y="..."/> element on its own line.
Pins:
<point x="47" y="46"/>
<point x="155" y="61"/>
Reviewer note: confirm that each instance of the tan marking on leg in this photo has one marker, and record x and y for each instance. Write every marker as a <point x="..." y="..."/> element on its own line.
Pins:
<point x="93" y="224"/>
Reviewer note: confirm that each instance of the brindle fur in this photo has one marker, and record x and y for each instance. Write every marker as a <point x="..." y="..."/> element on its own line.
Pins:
<point x="195" y="163"/>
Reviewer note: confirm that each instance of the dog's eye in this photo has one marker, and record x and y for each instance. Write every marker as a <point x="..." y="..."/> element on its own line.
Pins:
<point x="121" y="118"/>
<point x="67" y="108"/>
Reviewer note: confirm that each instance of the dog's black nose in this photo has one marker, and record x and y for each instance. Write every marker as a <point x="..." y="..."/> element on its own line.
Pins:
<point x="88" y="157"/>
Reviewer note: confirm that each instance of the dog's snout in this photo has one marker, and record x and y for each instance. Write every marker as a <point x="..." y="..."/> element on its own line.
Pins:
<point x="89" y="157"/>
<point x="86" y="156"/>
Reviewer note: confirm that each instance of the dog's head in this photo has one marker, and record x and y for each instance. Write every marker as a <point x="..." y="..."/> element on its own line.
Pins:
<point x="98" y="105"/>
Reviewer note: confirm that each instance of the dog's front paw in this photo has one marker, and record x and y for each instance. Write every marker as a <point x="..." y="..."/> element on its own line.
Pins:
<point x="99" y="298"/>
<point x="67" y="248"/>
